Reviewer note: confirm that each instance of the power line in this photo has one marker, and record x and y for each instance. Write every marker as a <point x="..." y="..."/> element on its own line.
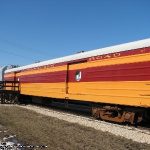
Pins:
<point x="23" y="47"/>
<point x="17" y="55"/>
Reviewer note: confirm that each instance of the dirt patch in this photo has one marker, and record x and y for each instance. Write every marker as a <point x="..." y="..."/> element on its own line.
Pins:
<point x="35" y="129"/>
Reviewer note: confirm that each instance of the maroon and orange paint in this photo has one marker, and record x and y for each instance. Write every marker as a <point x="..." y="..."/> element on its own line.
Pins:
<point x="117" y="78"/>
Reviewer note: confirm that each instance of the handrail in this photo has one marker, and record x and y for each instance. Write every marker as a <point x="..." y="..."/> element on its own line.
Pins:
<point x="10" y="85"/>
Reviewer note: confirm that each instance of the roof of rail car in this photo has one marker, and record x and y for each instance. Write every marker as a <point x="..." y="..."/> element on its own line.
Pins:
<point x="101" y="51"/>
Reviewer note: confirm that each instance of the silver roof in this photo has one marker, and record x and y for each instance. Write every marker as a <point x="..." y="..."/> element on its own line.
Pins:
<point x="101" y="51"/>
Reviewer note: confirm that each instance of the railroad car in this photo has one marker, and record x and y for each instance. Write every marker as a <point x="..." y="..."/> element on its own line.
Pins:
<point x="114" y="81"/>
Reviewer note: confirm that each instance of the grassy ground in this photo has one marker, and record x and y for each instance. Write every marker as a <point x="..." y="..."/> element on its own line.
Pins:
<point x="35" y="129"/>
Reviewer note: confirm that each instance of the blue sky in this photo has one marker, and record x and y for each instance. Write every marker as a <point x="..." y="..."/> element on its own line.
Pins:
<point x="36" y="30"/>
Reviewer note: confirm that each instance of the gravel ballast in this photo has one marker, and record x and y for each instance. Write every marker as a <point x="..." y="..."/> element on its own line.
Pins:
<point x="132" y="133"/>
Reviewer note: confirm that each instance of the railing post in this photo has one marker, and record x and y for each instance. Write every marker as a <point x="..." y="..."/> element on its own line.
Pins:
<point x="9" y="91"/>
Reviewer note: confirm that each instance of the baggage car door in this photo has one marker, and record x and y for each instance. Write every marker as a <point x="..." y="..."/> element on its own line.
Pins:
<point x="75" y="75"/>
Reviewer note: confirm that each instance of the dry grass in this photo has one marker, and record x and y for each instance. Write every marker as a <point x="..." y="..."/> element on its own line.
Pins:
<point x="36" y="129"/>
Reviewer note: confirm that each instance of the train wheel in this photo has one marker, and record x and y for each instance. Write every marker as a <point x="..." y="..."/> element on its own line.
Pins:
<point x="117" y="115"/>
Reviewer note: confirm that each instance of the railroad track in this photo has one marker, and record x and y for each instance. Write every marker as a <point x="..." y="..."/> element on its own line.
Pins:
<point x="145" y="126"/>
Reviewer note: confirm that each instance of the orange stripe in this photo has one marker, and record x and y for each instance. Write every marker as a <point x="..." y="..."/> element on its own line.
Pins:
<point x="9" y="75"/>
<point x="105" y="62"/>
<point x="38" y="71"/>
<point x="112" y="61"/>
<point x="123" y="93"/>
<point x="56" y="90"/>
